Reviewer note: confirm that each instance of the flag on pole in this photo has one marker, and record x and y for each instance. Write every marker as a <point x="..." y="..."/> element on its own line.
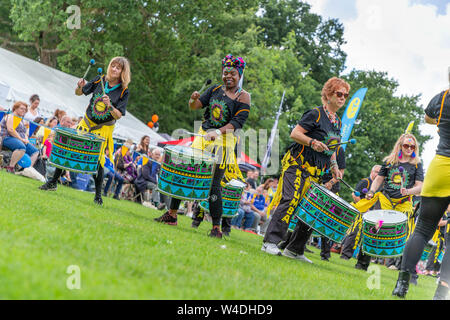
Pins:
<point x="124" y="150"/>
<point x="351" y="113"/>
<point x="144" y="160"/>
<point x="266" y="159"/>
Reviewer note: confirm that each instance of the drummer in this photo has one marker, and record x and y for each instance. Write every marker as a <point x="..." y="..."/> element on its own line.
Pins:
<point x="435" y="198"/>
<point x="227" y="107"/>
<point x="104" y="109"/>
<point x="304" y="163"/>
<point x="401" y="176"/>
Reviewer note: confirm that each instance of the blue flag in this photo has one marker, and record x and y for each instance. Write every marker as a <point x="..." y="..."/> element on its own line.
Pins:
<point x="2" y="113"/>
<point x="351" y="113"/>
<point x="109" y="164"/>
<point x="33" y="126"/>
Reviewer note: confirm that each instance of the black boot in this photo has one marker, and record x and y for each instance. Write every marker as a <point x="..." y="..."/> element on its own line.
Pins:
<point x="441" y="292"/>
<point x="401" y="288"/>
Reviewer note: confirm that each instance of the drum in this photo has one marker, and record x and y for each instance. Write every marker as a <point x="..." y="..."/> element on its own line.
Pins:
<point x="186" y="173"/>
<point x="326" y="213"/>
<point x="231" y="197"/>
<point x="76" y="150"/>
<point x="427" y="250"/>
<point x="388" y="240"/>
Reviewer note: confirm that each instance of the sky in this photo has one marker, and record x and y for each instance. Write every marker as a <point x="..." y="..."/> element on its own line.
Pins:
<point x="408" y="39"/>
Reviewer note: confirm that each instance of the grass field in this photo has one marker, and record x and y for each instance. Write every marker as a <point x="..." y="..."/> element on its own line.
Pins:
<point x="122" y="253"/>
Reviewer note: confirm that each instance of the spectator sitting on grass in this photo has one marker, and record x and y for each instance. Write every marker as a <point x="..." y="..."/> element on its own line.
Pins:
<point x="16" y="139"/>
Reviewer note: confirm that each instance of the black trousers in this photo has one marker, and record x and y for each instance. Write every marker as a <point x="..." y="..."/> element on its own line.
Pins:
<point x="215" y="197"/>
<point x="431" y="211"/>
<point x="199" y="215"/>
<point x="98" y="179"/>
<point x="293" y="183"/>
<point x="349" y="245"/>
<point x="325" y="247"/>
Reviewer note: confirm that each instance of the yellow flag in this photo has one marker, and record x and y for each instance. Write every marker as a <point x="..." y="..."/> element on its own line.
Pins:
<point x="124" y="151"/>
<point x="144" y="161"/>
<point x="16" y="122"/>
<point x="46" y="134"/>
<point x="410" y="127"/>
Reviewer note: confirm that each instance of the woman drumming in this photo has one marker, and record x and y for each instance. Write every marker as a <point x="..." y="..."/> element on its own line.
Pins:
<point x="227" y="107"/>
<point x="399" y="185"/>
<point x="435" y="198"/>
<point x="102" y="113"/>
<point x="303" y="163"/>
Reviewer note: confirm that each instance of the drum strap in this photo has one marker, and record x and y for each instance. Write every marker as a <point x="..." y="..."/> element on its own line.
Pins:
<point x="99" y="126"/>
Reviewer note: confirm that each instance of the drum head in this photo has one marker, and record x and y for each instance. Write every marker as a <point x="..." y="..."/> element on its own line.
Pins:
<point x="389" y="217"/>
<point x="236" y="183"/>
<point x="188" y="152"/>
<point x="79" y="134"/>
<point x="333" y="195"/>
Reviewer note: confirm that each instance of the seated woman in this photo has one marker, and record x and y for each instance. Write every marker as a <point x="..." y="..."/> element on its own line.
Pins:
<point x="147" y="177"/>
<point x="16" y="139"/>
<point x="143" y="146"/>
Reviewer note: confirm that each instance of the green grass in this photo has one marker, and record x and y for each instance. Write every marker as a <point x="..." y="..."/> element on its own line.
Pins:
<point x="123" y="254"/>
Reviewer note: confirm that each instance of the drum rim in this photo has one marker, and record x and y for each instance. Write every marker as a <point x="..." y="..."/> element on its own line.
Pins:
<point x="207" y="153"/>
<point x="79" y="133"/>
<point x="365" y="218"/>
<point x="341" y="201"/>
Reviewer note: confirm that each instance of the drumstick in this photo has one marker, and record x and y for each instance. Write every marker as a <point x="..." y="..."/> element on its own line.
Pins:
<point x="91" y="63"/>
<point x="208" y="82"/>
<point x="99" y="71"/>
<point x="401" y="169"/>
<point x="357" y="193"/>
<point x="351" y="141"/>
<point x="194" y="134"/>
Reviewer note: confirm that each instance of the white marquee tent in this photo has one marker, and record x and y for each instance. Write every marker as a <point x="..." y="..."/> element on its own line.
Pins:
<point x="20" y="77"/>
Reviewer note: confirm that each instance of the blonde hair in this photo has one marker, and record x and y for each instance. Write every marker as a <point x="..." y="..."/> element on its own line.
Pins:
<point x="331" y="86"/>
<point x="125" y="75"/>
<point x="393" y="157"/>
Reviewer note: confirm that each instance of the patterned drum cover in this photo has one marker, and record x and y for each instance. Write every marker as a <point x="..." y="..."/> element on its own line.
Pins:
<point x="427" y="250"/>
<point x="390" y="239"/>
<point x="76" y="150"/>
<point x="231" y="197"/>
<point x="326" y="213"/>
<point x="186" y="173"/>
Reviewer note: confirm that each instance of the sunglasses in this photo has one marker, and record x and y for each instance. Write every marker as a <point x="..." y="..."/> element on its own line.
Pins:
<point x="409" y="146"/>
<point x="340" y="94"/>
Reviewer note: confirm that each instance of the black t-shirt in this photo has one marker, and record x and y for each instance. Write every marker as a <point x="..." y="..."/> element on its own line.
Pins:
<point x="365" y="183"/>
<point x="340" y="158"/>
<point x="319" y="127"/>
<point x="393" y="178"/>
<point x="221" y="109"/>
<point x="435" y="111"/>
<point x="96" y="111"/>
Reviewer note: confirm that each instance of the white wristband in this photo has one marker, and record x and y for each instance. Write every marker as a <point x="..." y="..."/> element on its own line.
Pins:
<point x="218" y="132"/>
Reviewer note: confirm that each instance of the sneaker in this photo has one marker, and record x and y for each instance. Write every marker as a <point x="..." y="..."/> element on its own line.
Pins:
<point x="271" y="248"/>
<point x="226" y="233"/>
<point x="215" y="233"/>
<point x="98" y="200"/>
<point x="195" y="223"/>
<point x="167" y="219"/>
<point x="324" y="259"/>
<point x="393" y="267"/>
<point x="116" y="197"/>
<point x="360" y="267"/>
<point x="293" y="255"/>
<point x="161" y="206"/>
<point x="344" y="257"/>
<point x="48" y="186"/>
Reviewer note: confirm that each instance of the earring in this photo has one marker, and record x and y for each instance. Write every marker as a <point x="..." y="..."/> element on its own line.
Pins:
<point x="400" y="154"/>
<point x="413" y="155"/>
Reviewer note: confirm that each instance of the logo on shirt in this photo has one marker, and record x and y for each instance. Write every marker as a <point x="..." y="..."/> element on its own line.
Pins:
<point x="330" y="140"/>
<point x="219" y="110"/>
<point x="397" y="179"/>
<point x="99" y="109"/>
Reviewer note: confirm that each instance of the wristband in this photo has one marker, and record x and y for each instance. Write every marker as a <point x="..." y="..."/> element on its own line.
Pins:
<point x="218" y="132"/>
<point x="311" y="142"/>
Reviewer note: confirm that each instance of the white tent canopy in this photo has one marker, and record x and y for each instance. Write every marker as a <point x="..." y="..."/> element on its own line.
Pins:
<point x="20" y="77"/>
